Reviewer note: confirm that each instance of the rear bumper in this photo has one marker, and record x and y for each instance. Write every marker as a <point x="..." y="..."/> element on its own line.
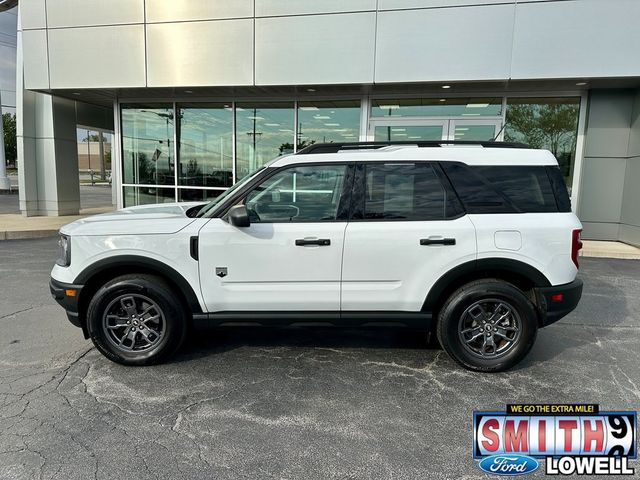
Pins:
<point x="60" y="292"/>
<point x="558" y="301"/>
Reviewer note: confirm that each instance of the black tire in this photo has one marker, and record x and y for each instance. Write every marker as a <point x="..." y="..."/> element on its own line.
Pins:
<point x="456" y="316"/>
<point x="168" y="338"/>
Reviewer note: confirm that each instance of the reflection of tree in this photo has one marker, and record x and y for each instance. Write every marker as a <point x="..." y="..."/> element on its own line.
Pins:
<point x="145" y="168"/>
<point x="288" y="147"/>
<point x="193" y="170"/>
<point x="550" y="126"/>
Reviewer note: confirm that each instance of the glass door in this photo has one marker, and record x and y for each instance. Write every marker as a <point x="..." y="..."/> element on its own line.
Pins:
<point x="407" y="130"/>
<point x="479" y="130"/>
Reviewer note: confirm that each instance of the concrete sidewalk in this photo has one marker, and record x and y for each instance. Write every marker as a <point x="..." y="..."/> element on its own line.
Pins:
<point x="17" y="227"/>
<point x="596" y="248"/>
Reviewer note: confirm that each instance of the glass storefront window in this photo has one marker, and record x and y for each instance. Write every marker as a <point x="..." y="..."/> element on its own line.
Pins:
<point x="197" y="194"/>
<point x="145" y="195"/>
<point x="205" y="141"/>
<point x="263" y="131"/>
<point x="436" y="107"/>
<point x="550" y="123"/>
<point x="323" y="122"/>
<point x="403" y="133"/>
<point x="147" y="144"/>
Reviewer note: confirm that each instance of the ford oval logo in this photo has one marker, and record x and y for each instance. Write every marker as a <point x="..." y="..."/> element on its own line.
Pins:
<point x="508" y="464"/>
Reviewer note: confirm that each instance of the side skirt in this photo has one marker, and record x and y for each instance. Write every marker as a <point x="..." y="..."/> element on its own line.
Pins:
<point x="315" y="319"/>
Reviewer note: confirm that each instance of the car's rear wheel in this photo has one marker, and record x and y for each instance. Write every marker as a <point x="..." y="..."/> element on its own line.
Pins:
<point x="136" y="320"/>
<point x="487" y="325"/>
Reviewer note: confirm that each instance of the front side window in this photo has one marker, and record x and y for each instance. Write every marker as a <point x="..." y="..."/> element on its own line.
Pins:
<point x="298" y="194"/>
<point x="406" y="192"/>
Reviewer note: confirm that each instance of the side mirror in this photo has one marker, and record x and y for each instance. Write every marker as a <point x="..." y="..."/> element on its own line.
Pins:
<point x="239" y="216"/>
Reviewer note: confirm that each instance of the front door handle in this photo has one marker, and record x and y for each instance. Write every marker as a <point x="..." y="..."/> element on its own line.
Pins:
<point x="437" y="241"/>
<point x="322" y="242"/>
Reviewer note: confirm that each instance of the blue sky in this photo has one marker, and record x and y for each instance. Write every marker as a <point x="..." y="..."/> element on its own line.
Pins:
<point x="8" y="21"/>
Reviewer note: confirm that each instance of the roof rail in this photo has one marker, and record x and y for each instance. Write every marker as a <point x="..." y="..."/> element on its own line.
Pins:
<point x="338" y="146"/>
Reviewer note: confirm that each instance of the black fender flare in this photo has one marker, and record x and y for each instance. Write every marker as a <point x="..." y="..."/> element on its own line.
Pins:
<point x="148" y="265"/>
<point x="504" y="265"/>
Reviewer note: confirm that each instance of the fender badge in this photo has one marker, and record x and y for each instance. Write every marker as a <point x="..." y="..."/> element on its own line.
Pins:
<point x="221" y="272"/>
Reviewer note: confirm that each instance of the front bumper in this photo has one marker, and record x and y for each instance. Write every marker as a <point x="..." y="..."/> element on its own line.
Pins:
<point x="67" y="296"/>
<point x="558" y="301"/>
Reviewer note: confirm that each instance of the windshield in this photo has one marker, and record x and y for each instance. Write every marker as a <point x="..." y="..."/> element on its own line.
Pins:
<point x="209" y="207"/>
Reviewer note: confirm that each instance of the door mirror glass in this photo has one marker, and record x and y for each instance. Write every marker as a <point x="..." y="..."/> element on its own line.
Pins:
<point x="238" y="216"/>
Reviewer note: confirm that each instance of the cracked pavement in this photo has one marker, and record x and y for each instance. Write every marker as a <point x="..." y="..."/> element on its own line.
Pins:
<point x="283" y="403"/>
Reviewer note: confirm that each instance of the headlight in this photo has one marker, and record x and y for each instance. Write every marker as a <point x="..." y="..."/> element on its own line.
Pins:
<point x="64" y="251"/>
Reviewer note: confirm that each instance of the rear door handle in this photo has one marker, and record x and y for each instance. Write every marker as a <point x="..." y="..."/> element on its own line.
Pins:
<point x="437" y="241"/>
<point x="322" y="242"/>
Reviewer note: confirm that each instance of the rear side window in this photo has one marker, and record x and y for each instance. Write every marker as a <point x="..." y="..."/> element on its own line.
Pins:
<point x="559" y="189"/>
<point x="407" y="192"/>
<point x="503" y="189"/>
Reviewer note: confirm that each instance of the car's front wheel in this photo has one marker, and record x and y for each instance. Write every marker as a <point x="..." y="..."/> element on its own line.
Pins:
<point x="136" y="320"/>
<point x="487" y="325"/>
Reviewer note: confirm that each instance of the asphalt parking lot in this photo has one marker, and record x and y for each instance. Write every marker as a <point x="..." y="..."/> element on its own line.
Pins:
<point x="291" y="404"/>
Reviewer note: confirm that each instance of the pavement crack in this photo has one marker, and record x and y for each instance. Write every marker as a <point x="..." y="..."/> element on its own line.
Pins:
<point x="20" y="311"/>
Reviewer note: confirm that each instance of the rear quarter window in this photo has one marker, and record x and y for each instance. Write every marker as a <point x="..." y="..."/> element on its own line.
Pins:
<point x="506" y="189"/>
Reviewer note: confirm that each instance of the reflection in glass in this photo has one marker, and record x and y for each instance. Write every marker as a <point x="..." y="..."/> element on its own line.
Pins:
<point x="298" y="194"/>
<point x="145" y="195"/>
<point x="550" y="123"/>
<point x="322" y="122"/>
<point x="147" y="148"/>
<point x="205" y="145"/>
<point x="263" y="132"/>
<point x="197" y="195"/>
<point x="474" y="132"/>
<point x="437" y="107"/>
<point x="400" y="133"/>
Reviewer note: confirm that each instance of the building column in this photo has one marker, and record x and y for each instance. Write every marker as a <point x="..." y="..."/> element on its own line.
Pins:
<point x="47" y="151"/>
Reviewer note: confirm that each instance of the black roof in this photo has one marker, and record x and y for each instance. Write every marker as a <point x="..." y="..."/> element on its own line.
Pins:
<point x="335" y="147"/>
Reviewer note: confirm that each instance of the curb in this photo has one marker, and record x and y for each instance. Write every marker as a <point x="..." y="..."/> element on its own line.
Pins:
<point x="27" y="234"/>
<point x="619" y="256"/>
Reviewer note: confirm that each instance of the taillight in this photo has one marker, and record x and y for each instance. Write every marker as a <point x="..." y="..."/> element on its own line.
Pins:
<point x="576" y="245"/>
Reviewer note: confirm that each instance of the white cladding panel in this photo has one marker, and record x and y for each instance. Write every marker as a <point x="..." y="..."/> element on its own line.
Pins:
<point x="595" y="38"/>
<point x="36" y="72"/>
<point x="274" y="8"/>
<point x="83" y="13"/>
<point x="315" y="49"/>
<point x="97" y="57"/>
<point x="406" y="4"/>
<point x="466" y="43"/>
<point x="186" y="10"/>
<point x="210" y="53"/>
<point x="33" y="14"/>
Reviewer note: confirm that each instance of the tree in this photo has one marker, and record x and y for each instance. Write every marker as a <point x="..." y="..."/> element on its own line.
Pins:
<point x="550" y="125"/>
<point x="10" y="145"/>
<point x="94" y="137"/>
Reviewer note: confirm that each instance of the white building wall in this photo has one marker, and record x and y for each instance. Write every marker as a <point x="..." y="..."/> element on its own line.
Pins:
<point x="125" y="43"/>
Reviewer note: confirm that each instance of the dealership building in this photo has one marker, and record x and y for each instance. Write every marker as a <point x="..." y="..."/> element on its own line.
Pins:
<point x="199" y="93"/>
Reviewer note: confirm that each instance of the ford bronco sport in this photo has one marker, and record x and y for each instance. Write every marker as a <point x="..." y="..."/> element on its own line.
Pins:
<point x="474" y="240"/>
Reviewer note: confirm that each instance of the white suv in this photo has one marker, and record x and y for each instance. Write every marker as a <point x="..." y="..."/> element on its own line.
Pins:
<point x="477" y="241"/>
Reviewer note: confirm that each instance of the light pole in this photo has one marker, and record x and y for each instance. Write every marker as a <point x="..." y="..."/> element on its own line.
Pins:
<point x="254" y="135"/>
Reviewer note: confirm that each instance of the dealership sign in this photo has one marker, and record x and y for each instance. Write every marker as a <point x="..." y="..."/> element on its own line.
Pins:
<point x="571" y="439"/>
